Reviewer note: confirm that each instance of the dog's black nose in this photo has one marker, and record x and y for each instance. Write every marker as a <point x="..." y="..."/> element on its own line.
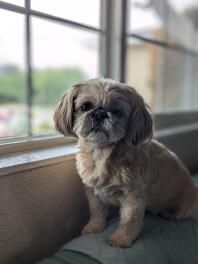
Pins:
<point x="100" y="115"/>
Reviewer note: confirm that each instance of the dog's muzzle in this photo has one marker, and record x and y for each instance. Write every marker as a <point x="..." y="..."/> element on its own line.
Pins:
<point x="98" y="117"/>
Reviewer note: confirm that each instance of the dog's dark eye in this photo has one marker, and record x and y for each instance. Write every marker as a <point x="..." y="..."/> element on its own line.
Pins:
<point x="117" y="112"/>
<point x="86" y="107"/>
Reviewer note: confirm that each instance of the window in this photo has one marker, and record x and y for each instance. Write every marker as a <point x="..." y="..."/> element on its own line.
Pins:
<point x="13" y="94"/>
<point x="46" y="46"/>
<point x="162" y="53"/>
<point x="41" y="55"/>
<point x="61" y="56"/>
<point x="84" y="11"/>
<point x="16" y="2"/>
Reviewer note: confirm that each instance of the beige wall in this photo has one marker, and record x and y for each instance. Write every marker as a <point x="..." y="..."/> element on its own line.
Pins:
<point x="40" y="210"/>
<point x="43" y="208"/>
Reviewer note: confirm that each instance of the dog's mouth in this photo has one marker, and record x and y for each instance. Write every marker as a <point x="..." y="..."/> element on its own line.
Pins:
<point x="103" y="132"/>
<point x="97" y="133"/>
<point x="98" y="128"/>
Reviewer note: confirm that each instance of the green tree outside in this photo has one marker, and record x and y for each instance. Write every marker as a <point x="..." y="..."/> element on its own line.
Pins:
<point x="48" y="84"/>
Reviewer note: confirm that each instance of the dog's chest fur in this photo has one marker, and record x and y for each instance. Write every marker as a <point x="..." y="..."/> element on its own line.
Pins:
<point x="91" y="165"/>
<point x="94" y="172"/>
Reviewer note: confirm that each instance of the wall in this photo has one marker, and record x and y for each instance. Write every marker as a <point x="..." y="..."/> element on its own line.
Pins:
<point x="43" y="208"/>
<point x="40" y="210"/>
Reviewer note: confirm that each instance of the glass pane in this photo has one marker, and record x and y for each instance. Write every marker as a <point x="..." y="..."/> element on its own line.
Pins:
<point x="145" y="20"/>
<point x="166" y="79"/>
<point x="175" y="86"/>
<point x="16" y="2"/>
<point x="183" y="15"/>
<point x="13" y="109"/>
<point x="183" y="6"/>
<point x="62" y="56"/>
<point x="86" y="11"/>
<point x="163" y="20"/>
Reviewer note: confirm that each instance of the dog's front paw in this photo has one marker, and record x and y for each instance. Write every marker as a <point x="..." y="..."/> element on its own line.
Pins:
<point x="93" y="226"/>
<point x="119" y="240"/>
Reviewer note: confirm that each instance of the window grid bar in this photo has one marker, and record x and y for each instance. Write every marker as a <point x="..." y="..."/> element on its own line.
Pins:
<point x="123" y="41"/>
<point x="28" y="67"/>
<point x="65" y="21"/>
<point x="23" y="10"/>
<point x="11" y="7"/>
<point x="166" y="45"/>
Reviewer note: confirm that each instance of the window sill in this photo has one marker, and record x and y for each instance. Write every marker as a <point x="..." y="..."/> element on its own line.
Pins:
<point x="55" y="150"/>
<point x="25" y="160"/>
<point x="175" y="130"/>
<point x="20" y="144"/>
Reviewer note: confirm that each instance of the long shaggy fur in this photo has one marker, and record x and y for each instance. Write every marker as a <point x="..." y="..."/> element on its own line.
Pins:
<point x="118" y="161"/>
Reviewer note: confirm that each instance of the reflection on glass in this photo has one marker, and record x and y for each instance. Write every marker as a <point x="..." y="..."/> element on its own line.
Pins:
<point x="167" y="79"/>
<point x="86" y="11"/>
<point x="62" y="56"/>
<point x="13" y="109"/>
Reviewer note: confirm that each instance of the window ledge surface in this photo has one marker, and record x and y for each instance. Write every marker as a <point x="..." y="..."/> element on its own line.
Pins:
<point x="28" y="159"/>
<point x="22" y="161"/>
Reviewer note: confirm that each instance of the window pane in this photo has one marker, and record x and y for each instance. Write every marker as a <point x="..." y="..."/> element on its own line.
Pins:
<point x="163" y="20"/>
<point x="62" y="56"/>
<point x="86" y="11"/>
<point x="183" y="6"/>
<point x="167" y="79"/>
<point x="145" y="20"/>
<point x="183" y="15"/>
<point x="13" y="109"/>
<point x="16" y="2"/>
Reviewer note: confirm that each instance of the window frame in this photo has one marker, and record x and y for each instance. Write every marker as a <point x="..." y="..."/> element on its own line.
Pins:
<point x="21" y="144"/>
<point x="14" y="144"/>
<point x="164" y="45"/>
<point x="110" y="36"/>
<point x="112" y="60"/>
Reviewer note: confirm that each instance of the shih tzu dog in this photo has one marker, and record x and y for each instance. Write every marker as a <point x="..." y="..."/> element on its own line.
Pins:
<point x="118" y="161"/>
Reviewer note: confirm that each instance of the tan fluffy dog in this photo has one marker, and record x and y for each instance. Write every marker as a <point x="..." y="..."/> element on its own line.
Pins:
<point x="117" y="160"/>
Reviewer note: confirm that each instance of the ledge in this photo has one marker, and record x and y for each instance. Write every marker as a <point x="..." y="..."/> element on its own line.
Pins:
<point x="175" y="130"/>
<point x="18" y="161"/>
<point x="22" y="161"/>
<point x="20" y="144"/>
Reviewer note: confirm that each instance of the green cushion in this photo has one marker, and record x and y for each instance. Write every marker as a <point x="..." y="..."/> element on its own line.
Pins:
<point x="65" y="256"/>
<point x="161" y="241"/>
<point x="195" y="178"/>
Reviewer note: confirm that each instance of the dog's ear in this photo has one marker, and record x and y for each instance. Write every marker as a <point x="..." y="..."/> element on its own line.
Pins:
<point x="64" y="112"/>
<point x="140" y="124"/>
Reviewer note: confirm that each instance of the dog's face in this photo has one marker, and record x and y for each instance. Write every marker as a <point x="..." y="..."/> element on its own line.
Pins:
<point x="103" y="112"/>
